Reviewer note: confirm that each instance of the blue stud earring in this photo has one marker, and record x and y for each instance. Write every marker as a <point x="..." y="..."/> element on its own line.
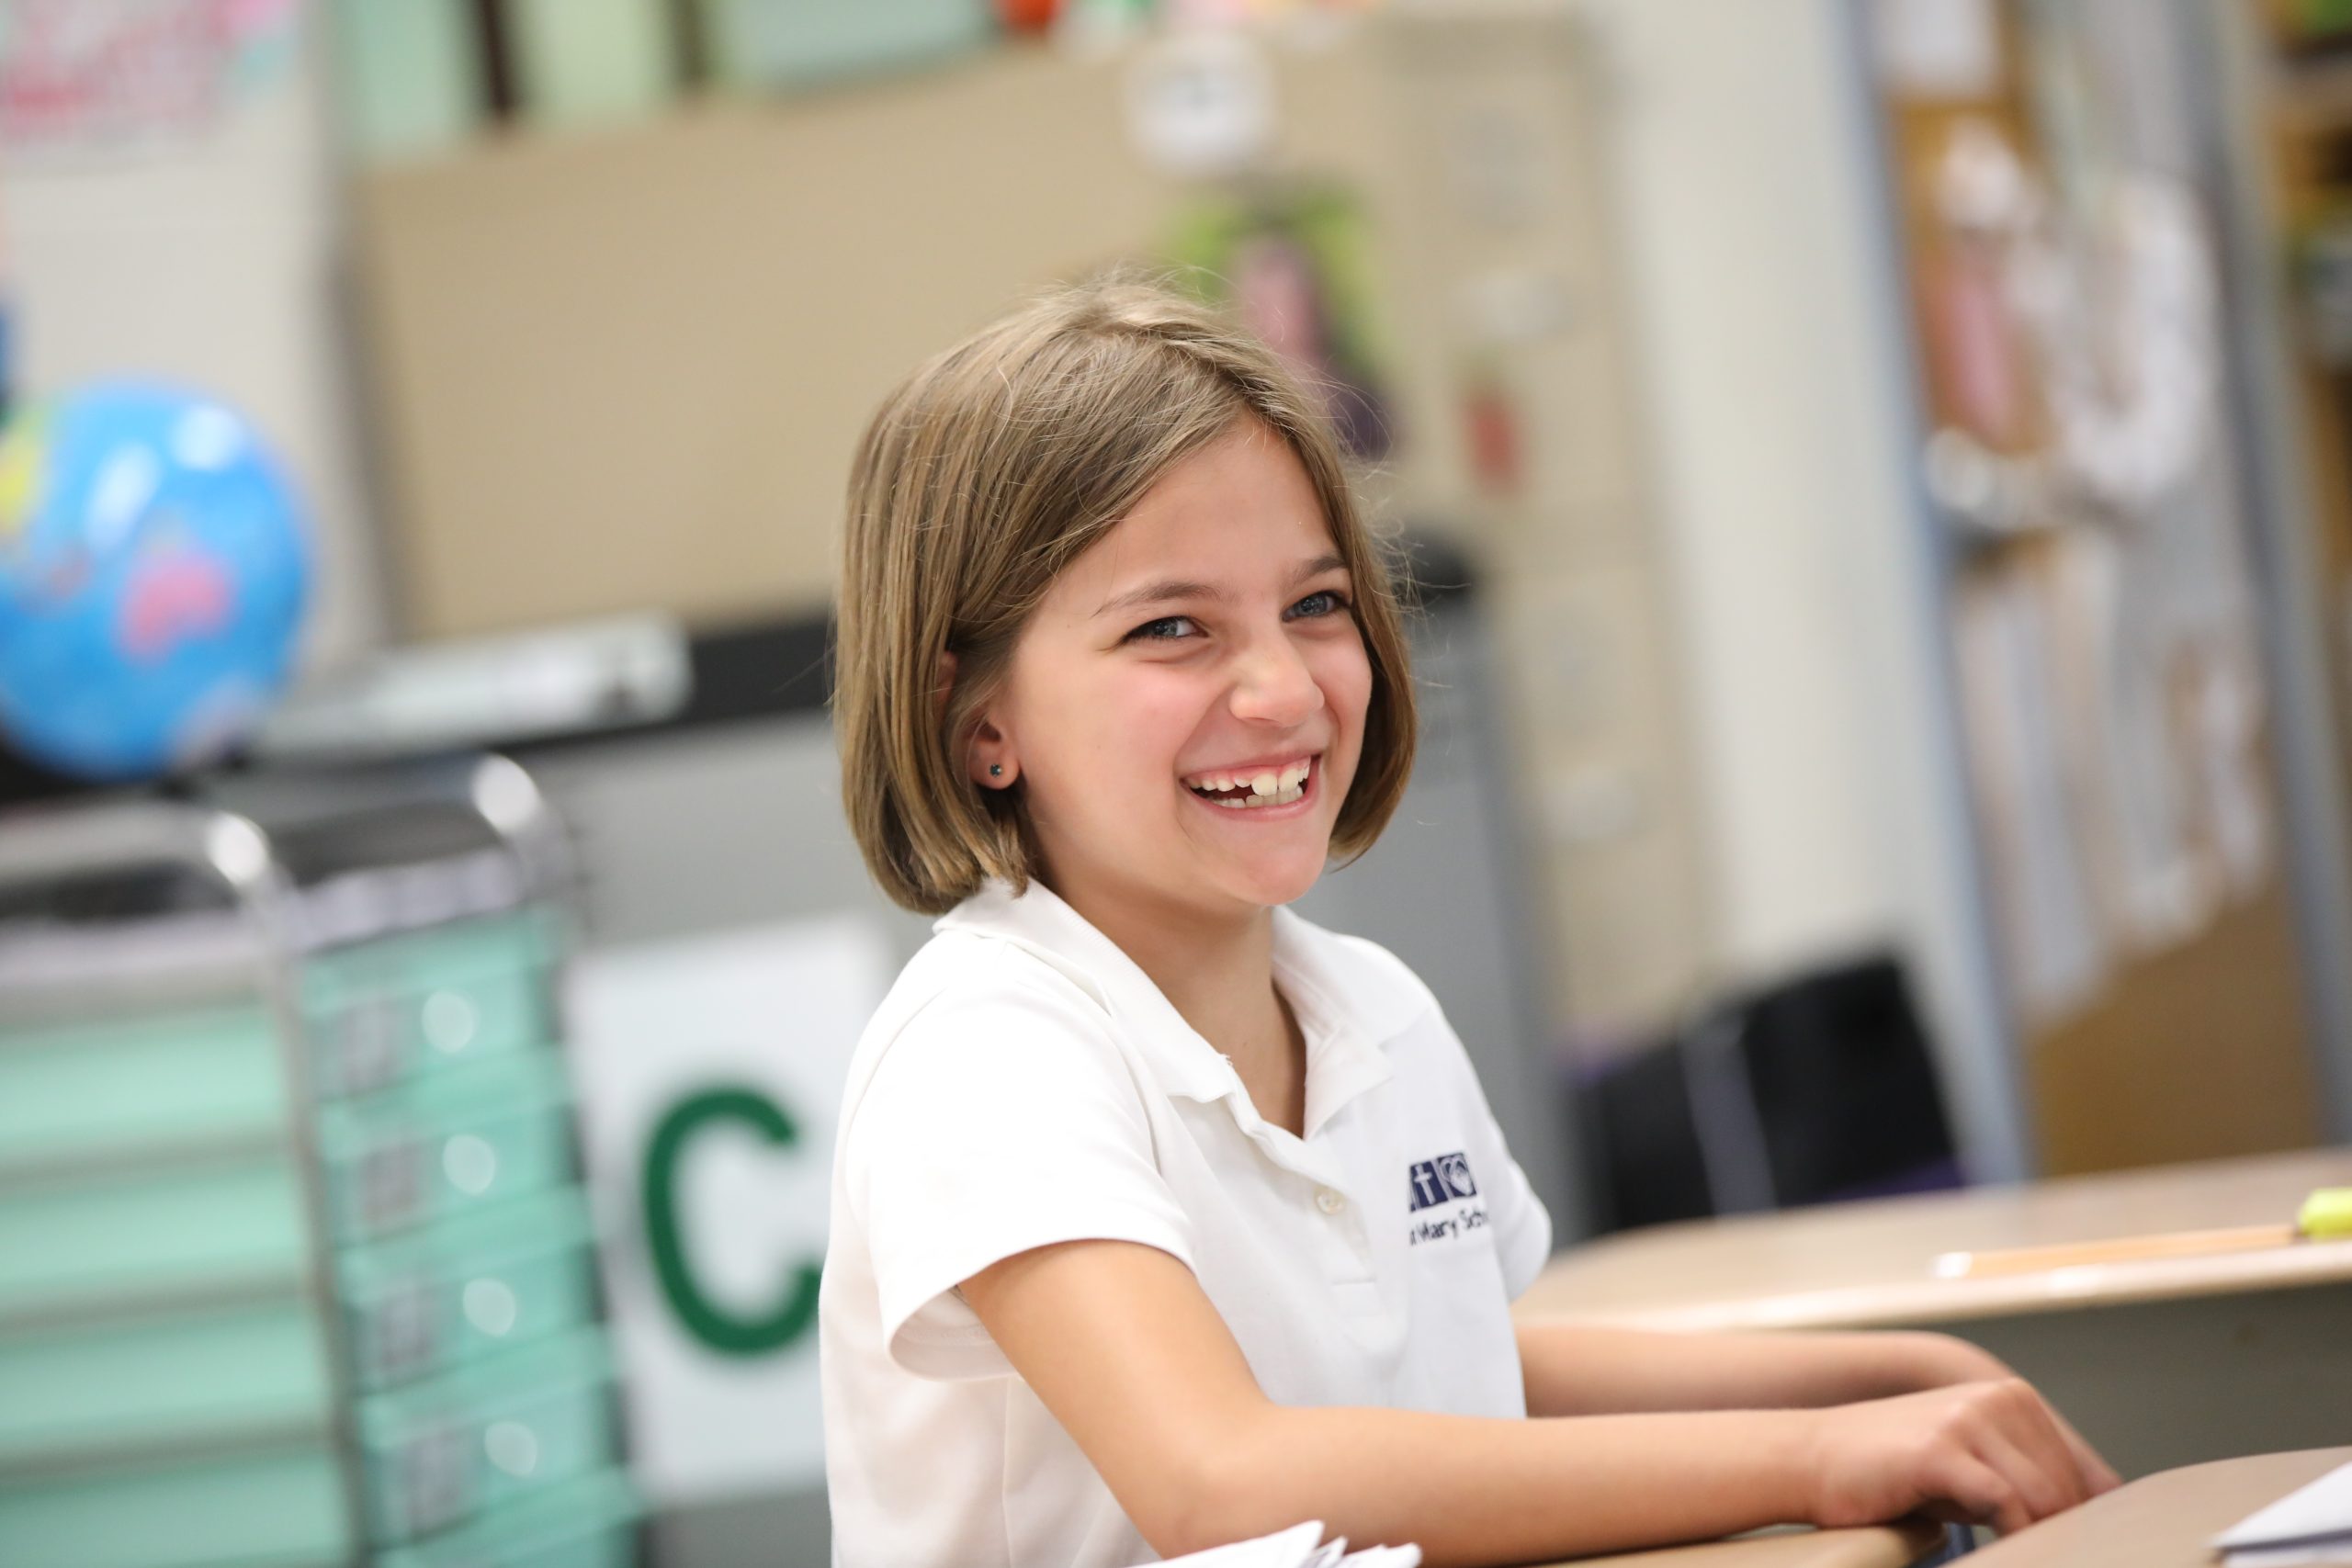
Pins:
<point x="996" y="770"/>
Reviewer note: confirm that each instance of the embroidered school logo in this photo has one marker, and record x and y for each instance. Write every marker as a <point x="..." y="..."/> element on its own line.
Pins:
<point x="1441" y="1180"/>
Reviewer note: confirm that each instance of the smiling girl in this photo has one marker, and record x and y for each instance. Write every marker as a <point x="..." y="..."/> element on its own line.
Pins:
<point x="1162" y="1218"/>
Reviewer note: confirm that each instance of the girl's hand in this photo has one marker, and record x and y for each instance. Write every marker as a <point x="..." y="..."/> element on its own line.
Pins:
<point x="1946" y="1360"/>
<point x="1988" y="1452"/>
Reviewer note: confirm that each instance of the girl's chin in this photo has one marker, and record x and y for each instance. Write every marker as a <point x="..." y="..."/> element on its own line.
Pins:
<point x="1205" y="876"/>
<point x="1267" y="886"/>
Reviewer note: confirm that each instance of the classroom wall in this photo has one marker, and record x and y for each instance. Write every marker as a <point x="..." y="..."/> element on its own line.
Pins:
<point x="1778" y="399"/>
<point x="667" y="337"/>
<point x="1730" y="190"/>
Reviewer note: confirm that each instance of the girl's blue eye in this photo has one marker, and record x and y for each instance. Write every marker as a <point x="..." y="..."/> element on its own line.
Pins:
<point x="1168" y="629"/>
<point x="1326" y="603"/>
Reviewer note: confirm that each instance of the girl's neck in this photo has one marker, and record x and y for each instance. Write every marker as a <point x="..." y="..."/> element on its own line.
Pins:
<point x="1216" y="971"/>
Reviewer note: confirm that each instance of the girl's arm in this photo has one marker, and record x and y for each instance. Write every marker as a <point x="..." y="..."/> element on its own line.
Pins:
<point x="1573" y="1370"/>
<point x="1121" y="1344"/>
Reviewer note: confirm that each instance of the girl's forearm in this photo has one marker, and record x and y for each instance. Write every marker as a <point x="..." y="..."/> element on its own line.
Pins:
<point x="1582" y="1371"/>
<point x="1478" y="1490"/>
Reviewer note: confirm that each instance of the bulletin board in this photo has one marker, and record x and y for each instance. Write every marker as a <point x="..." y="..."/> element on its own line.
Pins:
<point x="2070" y="319"/>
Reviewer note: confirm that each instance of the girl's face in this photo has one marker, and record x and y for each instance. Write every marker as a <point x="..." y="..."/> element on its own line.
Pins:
<point x="1186" y="707"/>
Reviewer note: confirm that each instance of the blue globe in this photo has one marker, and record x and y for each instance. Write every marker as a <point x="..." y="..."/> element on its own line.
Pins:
<point x="153" y="573"/>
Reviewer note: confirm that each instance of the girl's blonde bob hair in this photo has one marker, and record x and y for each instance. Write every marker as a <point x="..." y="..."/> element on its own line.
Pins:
<point x="988" y="471"/>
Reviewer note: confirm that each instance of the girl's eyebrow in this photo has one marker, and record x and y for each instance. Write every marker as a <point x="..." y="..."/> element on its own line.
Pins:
<point x="1161" y="592"/>
<point x="1172" y="589"/>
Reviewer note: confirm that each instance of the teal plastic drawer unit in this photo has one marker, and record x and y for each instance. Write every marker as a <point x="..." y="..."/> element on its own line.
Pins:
<point x="587" y="1523"/>
<point x="468" y="1289"/>
<point x="389" y="1011"/>
<point x="98" y="1394"/>
<point x="90" y="1093"/>
<point x="281" y="1509"/>
<point x="150" y="1240"/>
<point x="460" y="1447"/>
<point x="448" y="1144"/>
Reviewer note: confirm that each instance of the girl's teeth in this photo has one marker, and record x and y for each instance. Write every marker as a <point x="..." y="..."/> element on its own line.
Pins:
<point x="1278" y="798"/>
<point x="1274" y="787"/>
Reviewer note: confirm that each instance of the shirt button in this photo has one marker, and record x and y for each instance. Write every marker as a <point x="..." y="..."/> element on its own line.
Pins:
<point x="1330" y="1202"/>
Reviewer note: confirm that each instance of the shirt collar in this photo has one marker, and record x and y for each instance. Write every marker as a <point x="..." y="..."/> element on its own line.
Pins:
<point x="1346" y="1021"/>
<point x="1347" y="1017"/>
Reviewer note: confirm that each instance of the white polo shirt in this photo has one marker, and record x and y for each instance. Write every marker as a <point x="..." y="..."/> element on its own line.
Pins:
<point x="1025" y="1083"/>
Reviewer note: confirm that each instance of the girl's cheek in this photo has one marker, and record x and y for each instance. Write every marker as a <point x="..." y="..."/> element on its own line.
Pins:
<point x="1168" y="699"/>
<point x="1345" y="674"/>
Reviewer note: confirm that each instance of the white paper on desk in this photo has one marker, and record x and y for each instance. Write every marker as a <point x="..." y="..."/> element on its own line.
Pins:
<point x="1301" y="1546"/>
<point x="2309" y="1554"/>
<point x="2317" y="1514"/>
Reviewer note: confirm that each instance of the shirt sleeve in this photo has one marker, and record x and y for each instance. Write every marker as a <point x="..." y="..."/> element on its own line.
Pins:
<point x="995" y="1122"/>
<point x="1522" y="1225"/>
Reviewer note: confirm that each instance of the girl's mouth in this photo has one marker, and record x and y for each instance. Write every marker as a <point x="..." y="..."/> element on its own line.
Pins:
<point x="1255" y="789"/>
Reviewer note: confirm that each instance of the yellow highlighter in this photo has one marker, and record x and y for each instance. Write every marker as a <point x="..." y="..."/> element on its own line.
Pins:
<point x="2326" y="1215"/>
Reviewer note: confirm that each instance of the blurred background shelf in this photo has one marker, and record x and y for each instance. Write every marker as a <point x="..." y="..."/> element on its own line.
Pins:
<point x="323" y="1235"/>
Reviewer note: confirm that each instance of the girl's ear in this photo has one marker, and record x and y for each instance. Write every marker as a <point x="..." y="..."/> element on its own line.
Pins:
<point x="988" y="761"/>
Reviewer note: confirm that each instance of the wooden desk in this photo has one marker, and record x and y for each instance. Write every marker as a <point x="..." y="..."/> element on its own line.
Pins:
<point x="1881" y="1546"/>
<point x="2161" y="1363"/>
<point x="2161" y="1521"/>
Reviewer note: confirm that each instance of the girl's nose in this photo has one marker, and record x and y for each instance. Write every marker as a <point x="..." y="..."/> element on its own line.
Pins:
<point x="1274" y="685"/>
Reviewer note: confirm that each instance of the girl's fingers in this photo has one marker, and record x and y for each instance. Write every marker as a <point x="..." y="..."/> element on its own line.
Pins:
<point x="1981" y="1494"/>
<point x="2061" y="1449"/>
<point x="2030" y="1478"/>
<point x="2048" y="1447"/>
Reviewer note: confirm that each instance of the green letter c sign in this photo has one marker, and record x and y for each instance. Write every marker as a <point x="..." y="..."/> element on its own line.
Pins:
<point x="715" y="1327"/>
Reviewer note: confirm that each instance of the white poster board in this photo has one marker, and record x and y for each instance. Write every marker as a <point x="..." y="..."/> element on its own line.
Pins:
<point x="711" y="1071"/>
<point x="1939" y="49"/>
